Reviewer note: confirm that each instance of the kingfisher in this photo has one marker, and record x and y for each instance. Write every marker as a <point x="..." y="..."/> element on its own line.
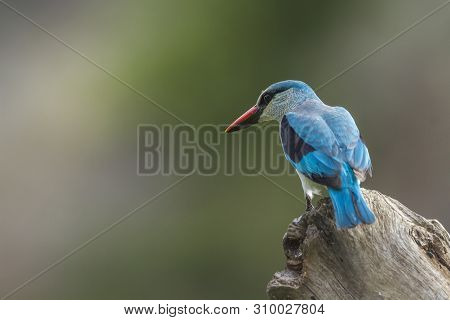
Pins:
<point x="321" y="142"/>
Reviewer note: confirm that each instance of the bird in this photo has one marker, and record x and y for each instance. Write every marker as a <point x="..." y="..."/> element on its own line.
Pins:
<point x="322" y="143"/>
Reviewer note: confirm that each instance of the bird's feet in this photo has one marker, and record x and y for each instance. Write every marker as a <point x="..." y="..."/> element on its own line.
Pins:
<point x="309" y="205"/>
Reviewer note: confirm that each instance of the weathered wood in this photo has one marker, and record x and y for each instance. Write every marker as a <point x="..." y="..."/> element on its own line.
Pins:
<point x="401" y="256"/>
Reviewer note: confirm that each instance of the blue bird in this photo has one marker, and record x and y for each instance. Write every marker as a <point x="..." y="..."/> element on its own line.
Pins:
<point x="323" y="144"/>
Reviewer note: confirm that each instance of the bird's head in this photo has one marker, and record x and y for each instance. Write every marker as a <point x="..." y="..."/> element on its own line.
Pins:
<point x="274" y="102"/>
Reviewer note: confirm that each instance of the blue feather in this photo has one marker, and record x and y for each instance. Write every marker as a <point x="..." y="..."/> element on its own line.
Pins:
<point x="319" y="163"/>
<point x="324" y="144"/>
<point x="348" y="203"/>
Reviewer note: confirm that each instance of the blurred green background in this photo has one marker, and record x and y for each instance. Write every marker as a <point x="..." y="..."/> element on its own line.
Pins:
<point x="68" y="134"/>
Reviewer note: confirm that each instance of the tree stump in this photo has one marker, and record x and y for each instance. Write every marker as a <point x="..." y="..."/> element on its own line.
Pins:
<point x="401" y="256"/>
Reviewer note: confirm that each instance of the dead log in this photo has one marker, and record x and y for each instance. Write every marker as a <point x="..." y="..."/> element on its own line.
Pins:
<point x="401" y="256"/>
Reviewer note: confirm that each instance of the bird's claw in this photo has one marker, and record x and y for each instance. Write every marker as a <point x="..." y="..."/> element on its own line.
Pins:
<point x="309" y="205"/>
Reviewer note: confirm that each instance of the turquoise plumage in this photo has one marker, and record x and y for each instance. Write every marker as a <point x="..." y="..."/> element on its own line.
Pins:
<point x="323" y="144"/>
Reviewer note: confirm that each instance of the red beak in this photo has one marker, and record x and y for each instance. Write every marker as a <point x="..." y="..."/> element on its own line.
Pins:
<point x="247" y="119"/>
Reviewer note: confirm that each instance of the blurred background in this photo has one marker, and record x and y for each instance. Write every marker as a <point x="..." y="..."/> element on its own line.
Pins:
<point x="68" y="134"/>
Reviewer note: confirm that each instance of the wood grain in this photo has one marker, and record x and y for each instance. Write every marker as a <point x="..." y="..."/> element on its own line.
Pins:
<point x="401" y="256"/>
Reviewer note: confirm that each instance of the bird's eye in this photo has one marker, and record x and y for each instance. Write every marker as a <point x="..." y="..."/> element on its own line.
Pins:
<point x="267" y="98"/>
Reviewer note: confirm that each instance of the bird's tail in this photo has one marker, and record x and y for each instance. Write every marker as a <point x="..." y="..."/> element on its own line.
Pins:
<point x="350" y="207"/>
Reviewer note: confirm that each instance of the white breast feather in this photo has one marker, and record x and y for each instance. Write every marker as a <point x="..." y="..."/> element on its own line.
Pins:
<point x="309" y="187"/>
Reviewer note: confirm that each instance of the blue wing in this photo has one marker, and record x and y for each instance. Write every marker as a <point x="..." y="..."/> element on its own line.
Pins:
<point x="318" y="145"/>
<point x="352" y="147"/>
<point x="311" y="147"/>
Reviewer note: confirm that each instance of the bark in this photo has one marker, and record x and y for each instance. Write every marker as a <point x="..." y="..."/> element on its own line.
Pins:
<point x="401" y="256"/>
